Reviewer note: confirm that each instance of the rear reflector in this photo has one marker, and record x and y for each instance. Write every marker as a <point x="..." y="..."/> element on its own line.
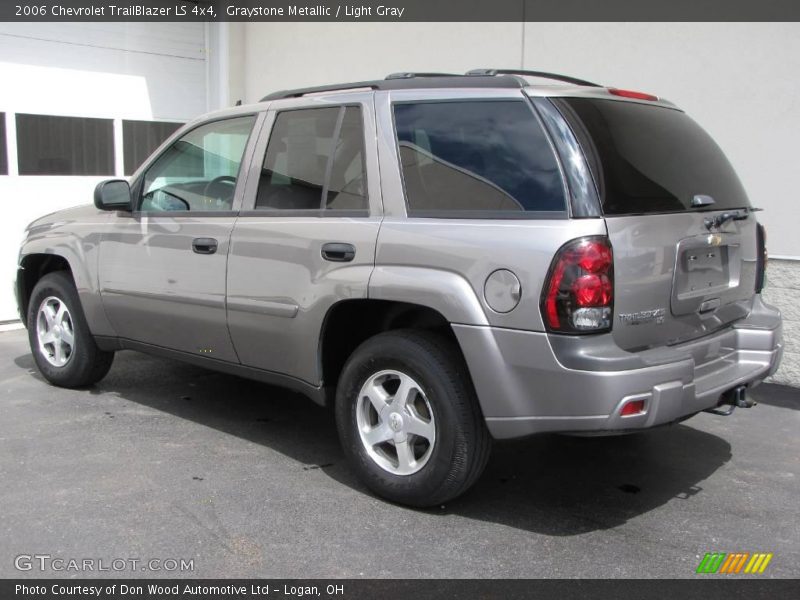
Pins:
<point x="632" y="94"/>
<point x="634" y="407"/>
<point x="761" y="258"/>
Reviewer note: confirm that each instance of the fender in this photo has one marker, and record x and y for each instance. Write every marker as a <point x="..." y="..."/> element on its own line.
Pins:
<point x="444" y="291"/>
<point x="79" y="246"/>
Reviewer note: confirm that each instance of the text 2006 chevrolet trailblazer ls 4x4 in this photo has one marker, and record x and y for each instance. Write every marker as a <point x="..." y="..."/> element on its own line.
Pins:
<point x="445" y="259"/>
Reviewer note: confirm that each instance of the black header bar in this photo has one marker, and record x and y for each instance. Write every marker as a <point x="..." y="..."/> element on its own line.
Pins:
<point x="700" y="588"/>
<point x="398" y="10"/>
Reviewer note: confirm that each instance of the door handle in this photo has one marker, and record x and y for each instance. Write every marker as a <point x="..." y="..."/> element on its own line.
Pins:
<point x="338" y="252"/>
<point x="204" y="245"/>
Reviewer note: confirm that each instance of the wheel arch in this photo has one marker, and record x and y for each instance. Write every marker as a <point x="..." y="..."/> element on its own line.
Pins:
<point x="348" y="323"/>
<point x="32" y="267"/>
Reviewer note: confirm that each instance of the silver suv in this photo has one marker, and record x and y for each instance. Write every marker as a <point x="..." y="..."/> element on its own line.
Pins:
<point x="445" y="259"/>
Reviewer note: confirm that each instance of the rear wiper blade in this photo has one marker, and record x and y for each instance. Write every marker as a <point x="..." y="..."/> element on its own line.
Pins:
<point x="719" y="220"/>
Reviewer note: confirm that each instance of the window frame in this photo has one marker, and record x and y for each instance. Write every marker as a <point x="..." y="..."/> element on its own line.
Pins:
<point x="274" y="112"/>
<point x="480" y="214"/>
<point x="138" y="178"/>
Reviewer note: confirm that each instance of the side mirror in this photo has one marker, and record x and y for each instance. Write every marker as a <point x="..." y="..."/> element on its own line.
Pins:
<point x="113" y="194"/>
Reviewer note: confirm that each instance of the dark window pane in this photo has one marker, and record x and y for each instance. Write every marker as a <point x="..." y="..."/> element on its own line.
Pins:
<point x="3" y="157"/>
<point x="296" y="161"/>
<point x="48" y="145"/>
<point x="650" y="159"/>
<point x="488" y="156"/>
<point x="141" y="138"/>
<point x="199" y="171"/>
<point x="347" y="188"/>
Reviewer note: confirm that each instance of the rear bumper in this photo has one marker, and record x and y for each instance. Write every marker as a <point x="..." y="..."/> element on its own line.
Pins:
<point x="532" y="382"/>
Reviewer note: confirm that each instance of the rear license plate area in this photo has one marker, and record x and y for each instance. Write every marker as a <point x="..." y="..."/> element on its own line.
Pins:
<point x="705" y="269"/>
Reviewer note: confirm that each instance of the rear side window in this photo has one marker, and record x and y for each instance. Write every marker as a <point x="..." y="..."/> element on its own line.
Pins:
<point x="651" y="159"/>
<point x="315" y="161"/>
<point x="479" y="158"/>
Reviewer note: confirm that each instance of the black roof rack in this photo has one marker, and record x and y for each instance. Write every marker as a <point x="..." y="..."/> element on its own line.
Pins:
<point x="488" y="78"/>
<point x="542" y="74"/>
<point x="412" y="75"/>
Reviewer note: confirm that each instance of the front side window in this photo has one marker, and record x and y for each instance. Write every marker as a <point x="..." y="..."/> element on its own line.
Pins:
<point x="315" y="161"/>
<point x="200" y="170"/>
<point x="490" y="158"/>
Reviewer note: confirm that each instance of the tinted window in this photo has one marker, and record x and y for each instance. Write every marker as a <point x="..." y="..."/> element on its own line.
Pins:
<point x="314" y="160"/>
<point x="199" y="171"/>
<point x="650" y="159"/>
<point x="141" y="138"/>
<point x="3" y="156"/>
<point x="347" y="186"/>
<point x="49" y="145"/>
<point x="488" y="156"/>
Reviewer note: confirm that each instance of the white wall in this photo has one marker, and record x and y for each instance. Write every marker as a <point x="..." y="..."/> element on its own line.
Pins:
<point x="110" y="70"/>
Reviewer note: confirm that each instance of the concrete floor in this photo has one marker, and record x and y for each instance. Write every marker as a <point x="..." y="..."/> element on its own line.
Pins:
<point x="164" y="460"/>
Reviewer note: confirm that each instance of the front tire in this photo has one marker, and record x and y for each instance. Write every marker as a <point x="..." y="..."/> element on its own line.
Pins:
<point x="409" y="420"/>
<point x="62" y="345"/>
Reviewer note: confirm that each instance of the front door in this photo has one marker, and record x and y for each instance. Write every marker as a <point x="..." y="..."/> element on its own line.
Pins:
<point x="162" y="268"/>
<point x="306" y="236"/>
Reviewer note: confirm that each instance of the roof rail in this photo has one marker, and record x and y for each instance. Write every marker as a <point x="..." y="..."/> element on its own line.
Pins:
<point x="337" y="87"/>
<point x="407" y="81"/>
<point x="412" y="75"/>
<point x="542" y="74"/>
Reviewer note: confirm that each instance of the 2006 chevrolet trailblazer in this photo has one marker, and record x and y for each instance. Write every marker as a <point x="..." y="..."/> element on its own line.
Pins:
<point x="445" y="258"/>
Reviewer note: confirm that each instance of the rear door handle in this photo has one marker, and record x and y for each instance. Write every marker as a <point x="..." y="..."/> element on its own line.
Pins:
<point x="338" y="252"/>
<point x="204" y="245"/>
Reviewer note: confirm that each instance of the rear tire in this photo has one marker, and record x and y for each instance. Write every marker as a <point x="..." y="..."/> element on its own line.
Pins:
<point x="409" y="420"/>
<point x="62" y="345"/>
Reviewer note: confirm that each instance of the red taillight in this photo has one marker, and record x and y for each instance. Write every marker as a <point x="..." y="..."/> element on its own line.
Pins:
<point x="634" y="407"/>
<point x="579" y="292"/>
<point x="632" y="94"/>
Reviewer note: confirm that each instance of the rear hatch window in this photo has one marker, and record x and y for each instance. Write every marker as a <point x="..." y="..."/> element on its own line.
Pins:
<point x="651" y="159"/>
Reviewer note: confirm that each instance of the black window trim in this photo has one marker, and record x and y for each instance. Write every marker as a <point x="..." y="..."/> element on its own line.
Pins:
<point x="137" y="186"/>
<point x="479" y="214"/>
<point x="321" y="212"/>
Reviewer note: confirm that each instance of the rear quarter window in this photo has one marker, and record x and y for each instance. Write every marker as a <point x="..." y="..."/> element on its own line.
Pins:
<point x="650" y="159"/>
<point x="476" y="158"/>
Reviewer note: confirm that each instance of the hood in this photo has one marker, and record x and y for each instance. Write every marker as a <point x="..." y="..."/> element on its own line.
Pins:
<point x="65" y="216"/>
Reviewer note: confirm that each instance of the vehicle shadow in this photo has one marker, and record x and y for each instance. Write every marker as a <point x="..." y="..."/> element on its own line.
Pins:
<point x="549" y="484"/>
<point x="778" y="395"/>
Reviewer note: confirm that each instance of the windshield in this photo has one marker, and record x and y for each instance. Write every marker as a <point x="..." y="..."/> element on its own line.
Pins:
<point x="651" y="159"/>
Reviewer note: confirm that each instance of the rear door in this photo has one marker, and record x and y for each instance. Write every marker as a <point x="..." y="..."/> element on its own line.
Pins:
<point x="306" y="236"/>
<point x="680" y="272"/>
